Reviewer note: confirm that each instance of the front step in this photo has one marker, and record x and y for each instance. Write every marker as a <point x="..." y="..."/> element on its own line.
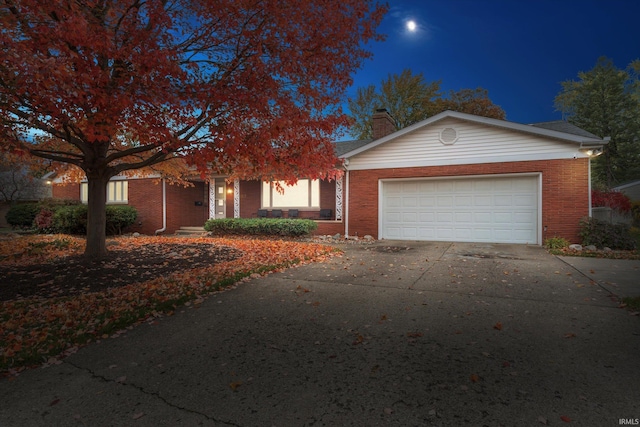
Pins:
<point x="190" y="231"/>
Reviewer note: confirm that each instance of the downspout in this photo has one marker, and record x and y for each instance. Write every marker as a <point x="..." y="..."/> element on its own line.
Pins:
<point x="345" y="207"/>
<point x="589" y="174"/>
<point x="164" y="209"/>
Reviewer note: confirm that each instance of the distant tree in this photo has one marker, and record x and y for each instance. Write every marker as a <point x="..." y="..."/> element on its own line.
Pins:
<point x="409" y="99"/>
<point x="246" y="87"/>
<point x="606" y="102"/>
<point x="472" y="101"/>
<point x="19" y="179"/>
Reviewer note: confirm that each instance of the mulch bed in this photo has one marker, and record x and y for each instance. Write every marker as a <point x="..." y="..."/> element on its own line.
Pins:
<point x="74" y="274"/>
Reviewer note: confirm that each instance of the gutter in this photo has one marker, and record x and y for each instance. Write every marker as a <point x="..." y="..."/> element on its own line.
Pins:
<point x="164" y="209"/>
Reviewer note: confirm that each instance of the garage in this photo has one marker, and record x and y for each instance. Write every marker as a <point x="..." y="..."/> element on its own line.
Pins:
<point x="493" y="209"/>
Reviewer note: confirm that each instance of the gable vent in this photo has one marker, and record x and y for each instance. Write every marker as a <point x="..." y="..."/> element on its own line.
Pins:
<point x="448" y="136"/>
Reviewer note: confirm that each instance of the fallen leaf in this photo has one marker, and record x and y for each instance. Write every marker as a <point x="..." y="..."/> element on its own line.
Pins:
<point x="138" y="415"/>
<point x="235" y="384"/>
<point x="570" y="335"/>
<point x="543" y="420"/>
<point x="498" y="326"/>
<point x="565" y="418"/>
<point x="474" y="378"/>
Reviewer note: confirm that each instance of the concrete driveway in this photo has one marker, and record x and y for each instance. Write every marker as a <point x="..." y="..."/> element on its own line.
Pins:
<point x="389" y="334"/>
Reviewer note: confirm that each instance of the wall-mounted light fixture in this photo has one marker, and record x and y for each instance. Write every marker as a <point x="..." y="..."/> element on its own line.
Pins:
<point x="229" y="190"/>
<point x="592" y="152"/>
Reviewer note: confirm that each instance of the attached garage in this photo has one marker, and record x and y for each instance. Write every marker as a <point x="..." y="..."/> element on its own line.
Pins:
<point x="463" y="178"/>
<point x="497" y="209"/>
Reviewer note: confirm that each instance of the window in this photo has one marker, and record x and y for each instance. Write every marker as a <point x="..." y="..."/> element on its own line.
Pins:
<point x="304" y="194"/>
<point x="117" y="192"/>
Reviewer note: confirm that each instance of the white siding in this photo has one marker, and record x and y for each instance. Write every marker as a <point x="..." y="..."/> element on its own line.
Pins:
<point x="476" y="144"/>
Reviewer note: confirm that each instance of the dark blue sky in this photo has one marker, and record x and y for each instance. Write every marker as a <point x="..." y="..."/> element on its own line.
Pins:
<point x="519" y="50"/>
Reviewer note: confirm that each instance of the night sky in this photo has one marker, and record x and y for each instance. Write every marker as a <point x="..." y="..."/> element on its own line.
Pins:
<point x="519" y="50"/>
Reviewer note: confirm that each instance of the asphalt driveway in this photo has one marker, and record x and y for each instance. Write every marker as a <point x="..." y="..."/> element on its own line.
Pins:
<point x="394" y="333"/>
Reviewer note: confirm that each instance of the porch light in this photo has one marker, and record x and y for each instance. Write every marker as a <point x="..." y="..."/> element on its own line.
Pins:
<point x="229" y="190"/>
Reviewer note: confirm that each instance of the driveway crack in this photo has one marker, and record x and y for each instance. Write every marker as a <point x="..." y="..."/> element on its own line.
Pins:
<point x="153" y="394"/>
<point x="431" y="265"/>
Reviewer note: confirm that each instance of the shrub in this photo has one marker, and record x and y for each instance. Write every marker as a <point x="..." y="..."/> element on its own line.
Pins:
<point x="72" y="219"/>
<point x="556" y="243"/>
<point x="611" y="199"/>
<point x="603" y="234"/>
<point x="120" y="217"/>
<point x="44" y="220"/>
<point x="22" y="215"/>
<point x="261" y="226"/>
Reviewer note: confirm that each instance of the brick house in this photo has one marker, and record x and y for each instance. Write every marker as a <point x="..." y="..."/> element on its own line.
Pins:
<point x="451" y="177"/>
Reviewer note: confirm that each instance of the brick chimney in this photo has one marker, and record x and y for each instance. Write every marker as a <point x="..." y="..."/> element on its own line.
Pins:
<point x="383" y="124"/>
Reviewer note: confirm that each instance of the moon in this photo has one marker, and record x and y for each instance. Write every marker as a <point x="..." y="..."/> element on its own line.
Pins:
<point x="412" y="26"/>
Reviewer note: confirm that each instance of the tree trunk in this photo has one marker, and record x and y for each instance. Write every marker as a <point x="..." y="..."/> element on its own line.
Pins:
<point x="96" y="217"/>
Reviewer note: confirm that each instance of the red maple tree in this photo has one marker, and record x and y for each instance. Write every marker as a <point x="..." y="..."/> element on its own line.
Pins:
<point x="244" y="87"/>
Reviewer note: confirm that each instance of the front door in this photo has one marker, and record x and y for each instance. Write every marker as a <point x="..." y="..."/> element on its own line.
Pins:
<point x="220" y="201"/>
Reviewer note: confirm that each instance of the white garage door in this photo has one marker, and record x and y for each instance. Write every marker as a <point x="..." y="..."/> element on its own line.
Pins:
<point x="479" y="209"/>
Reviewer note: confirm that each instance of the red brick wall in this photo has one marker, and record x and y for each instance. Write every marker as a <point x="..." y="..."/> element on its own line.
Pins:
<point x="249" y="198"/>
<point x="182" y="209"/>
<point x="146" y="196"/>
<point x="66" y="191"/>
<point x="565" y="192"/>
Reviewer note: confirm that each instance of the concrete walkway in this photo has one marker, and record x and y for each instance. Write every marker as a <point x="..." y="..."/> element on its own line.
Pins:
<point x="392" y="334"/>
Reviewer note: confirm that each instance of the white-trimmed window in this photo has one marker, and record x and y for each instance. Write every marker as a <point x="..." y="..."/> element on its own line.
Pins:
<point x="304" y="194"/>
<point x="117" y="192"/>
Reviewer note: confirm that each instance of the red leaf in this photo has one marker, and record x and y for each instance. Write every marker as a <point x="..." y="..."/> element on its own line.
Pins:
<point x="565" y="418"/>
<point x="498" y="326"/>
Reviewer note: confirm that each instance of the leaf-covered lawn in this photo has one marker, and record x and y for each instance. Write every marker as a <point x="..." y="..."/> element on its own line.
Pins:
<point x="52" y="303"/>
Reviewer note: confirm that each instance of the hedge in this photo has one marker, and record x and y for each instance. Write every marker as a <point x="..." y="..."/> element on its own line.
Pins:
<point x="261" y="226"/>
<point x="68" y="217"/>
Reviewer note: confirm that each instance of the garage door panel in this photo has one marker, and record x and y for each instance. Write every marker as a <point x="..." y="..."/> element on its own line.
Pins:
<point x="462" y="217"/>
<point x="427" y="217"/>
<point x="502" y="200"/>
<point x="463" y="200"/>
<point x="482" y="201"/>
<point x="394" y="201"/>
<point x="409" y="202"/>
<point x="482" y="217"/>
<point x="444" y="201"/>
<point x="526" y="200"/>
<point x="445" y="186"/>
<point x="482" y="209"/>
<point x="502" y="218"/>
<point x="410" y="217"/>
<point x="463" y="185"/>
